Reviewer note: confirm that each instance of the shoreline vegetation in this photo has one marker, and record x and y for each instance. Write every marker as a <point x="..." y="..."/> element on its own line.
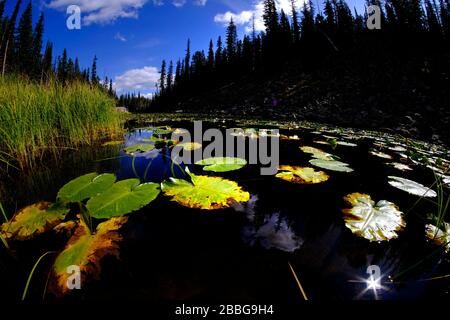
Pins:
<point x="38" y="120"/>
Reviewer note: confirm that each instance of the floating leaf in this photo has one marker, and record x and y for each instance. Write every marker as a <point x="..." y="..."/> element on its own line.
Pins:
<point x="85" y="187"/>
<point x="317" y="153"/>
<point x="378" y="222"/>
<point x="400" y="166"/>
<point x="412" y="187"/>
<point x="139" y="148"/>
<point x="122" y="198"/>
<point x="86" y="250"/>
<point x="162" y="130"/>
<point x="34" y="220"/>
<point x="190" y="146"/>
<point x="438" y="236"/>
<point x="301" y="175"/>
<point x="380" y="155"/>
<point x="285" y="137"/>
<point x="222" y="164"/>
<point x="112" y="143"/>
<point x="332" y="165"/>
<point x="206" y="193"/>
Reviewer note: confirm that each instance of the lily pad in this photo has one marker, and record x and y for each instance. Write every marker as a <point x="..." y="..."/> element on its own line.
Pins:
<point x="112" y="143"/>
<point x="222" y="164"/>
<point x="139" y="148"/>
<point x="374" y="222"/>
<point x="190" y="146"/>
<point x="412" y="187"/>
<point x="122" y="198"/>
<point x="86" y="251"/>
<point x="400" y="166"/>
<point x="85" y="187"/>
<point x="206" y="193"/>
<point x="439" y="236"/>
<point x="33" y="220"/>
<point x="317" y="153"/>
<point x="381" y="155"/>
<point x="332" y="165"/>
<point x="162" y="130"/>
<point x="301" y="175"/>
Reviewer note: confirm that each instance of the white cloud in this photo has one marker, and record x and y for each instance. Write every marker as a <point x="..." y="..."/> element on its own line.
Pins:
<point x="101" y="11"/>
<point x="158" y="3"/>
<point x="143" y="79"/>
<point x="200" y="3"/>
<point x="246" y="17"/>
<point x="179" y="3"/>
<point x="120" y="37"/>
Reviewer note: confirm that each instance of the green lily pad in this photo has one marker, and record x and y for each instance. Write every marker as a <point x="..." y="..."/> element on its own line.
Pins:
<point x="317" y="153"/>
<point x="301" y="175"/>
<point x="190" y="146"/>
<point x="162" y="130"/>
<point x="86" y="250"/>
<point x="332" y="165"/>
<point x="374" y="222"/>
<point x="222" y="164"/>
<point x="112" y="143"/>
<point x="439" y="236"/>
<point x="411" y="187"/>
<point x="85" y="187"/>
<point x="33" y="220"/>
<point x="206" y="193"/>
<point x="122" y="198"/>
<point x="139" y="148"/>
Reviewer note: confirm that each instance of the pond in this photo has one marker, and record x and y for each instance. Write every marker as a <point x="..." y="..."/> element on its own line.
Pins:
<point x="297" y="224"/>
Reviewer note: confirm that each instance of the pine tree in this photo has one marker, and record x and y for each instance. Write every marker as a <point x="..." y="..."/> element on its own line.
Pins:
<point x="231" y="41"/>
<point x="187" y="60"/>
<point x="433" y="24"/>
<point x="295" y="22"/>
<point x="162" y="80"/>
<point x="170" y="77"/>
<point x="37" y="47"/>
<point x="111" y="89"/>
<point x="178" y="72"/>
<point x="47" y="70"/>
<point x="211" y="55"/>
<point x="285" y="29"/>
<point x="7" y="44"/>
<point x="62" y="67"/>
<point x="94" y="76"/>
<point x="219" y="53"/>
<point x="24" y="41"/>
<point x="270" y="17"/>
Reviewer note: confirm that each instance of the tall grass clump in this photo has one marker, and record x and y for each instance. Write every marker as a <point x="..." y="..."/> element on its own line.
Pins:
<point x="39" y="119"/>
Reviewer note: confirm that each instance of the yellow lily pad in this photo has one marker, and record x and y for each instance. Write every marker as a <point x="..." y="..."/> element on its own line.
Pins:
<point x="206" y="193"/>
<point x="301" y="175"/>
<point x="33" y="220"/>
<point x="86" y="251"/>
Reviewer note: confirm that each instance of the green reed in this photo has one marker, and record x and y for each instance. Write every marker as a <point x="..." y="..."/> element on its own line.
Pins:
<point x="36" y="120"/>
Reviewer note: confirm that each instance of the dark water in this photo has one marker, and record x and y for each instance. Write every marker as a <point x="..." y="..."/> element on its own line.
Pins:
<point x="241" y="254"/>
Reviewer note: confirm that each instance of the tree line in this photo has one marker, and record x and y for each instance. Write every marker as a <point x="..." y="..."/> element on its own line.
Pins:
<point x="22" y="52"/>
<point x="412" y="31"/>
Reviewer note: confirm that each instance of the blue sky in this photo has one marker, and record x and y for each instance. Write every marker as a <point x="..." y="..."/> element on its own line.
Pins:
<point x="131" y="37"/>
